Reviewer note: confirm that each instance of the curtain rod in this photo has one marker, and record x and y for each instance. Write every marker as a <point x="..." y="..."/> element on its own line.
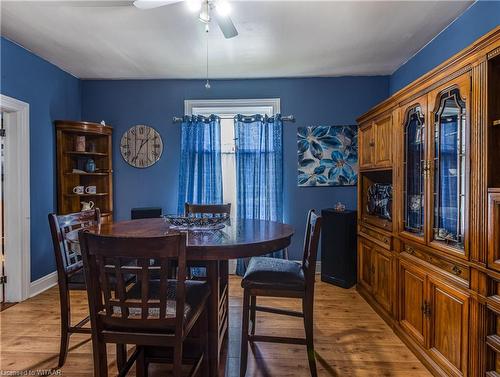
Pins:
<point x="286" y="118"/>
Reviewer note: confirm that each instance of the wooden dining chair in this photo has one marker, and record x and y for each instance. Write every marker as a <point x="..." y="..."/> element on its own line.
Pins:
<point x="207" y="209"/>
<point x="223" y="266"/>
<point x="70" y="275"/>
<point x="282" y="278"/>
<point x="151" y="314"/>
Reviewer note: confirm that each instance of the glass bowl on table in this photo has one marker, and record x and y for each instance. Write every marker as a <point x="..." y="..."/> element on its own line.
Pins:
<point x="196" y="223"/>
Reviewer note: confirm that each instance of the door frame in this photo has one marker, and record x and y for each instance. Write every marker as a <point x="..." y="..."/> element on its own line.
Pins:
<point x="17" y="198"/>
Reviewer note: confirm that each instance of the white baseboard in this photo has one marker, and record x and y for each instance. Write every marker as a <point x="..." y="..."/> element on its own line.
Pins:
<point x="42" y="284"/>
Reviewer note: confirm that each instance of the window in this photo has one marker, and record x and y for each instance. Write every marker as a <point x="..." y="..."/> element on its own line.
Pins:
<point x="226" y="110"/>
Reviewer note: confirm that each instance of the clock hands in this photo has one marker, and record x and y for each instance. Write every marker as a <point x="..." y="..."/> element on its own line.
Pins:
<point x="140" y="147"/>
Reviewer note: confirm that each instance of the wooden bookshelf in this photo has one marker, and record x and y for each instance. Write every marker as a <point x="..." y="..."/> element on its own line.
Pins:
<point x="71" y="164"/>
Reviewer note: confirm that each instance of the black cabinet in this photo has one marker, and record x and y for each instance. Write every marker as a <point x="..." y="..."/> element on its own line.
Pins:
<point x="338" y="248"/>
<point x="145" y="213"/>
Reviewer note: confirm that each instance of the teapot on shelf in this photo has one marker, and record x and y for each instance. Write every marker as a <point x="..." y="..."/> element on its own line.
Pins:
<point x="86" y="206"/>
<point x="90" y="166"/>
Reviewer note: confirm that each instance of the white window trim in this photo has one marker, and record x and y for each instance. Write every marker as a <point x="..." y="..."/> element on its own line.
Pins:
<point x="231" y="107"/>
<point x="17" y="198"/>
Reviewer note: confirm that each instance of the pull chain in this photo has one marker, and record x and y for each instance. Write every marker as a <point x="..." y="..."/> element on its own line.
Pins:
<point x="207" y="29"/>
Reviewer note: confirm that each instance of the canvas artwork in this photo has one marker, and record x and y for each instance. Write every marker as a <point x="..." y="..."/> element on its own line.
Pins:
<point x="327" y="155"/>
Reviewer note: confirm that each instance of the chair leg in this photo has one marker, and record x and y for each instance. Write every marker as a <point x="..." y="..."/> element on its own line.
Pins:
<point x="65" y="324"/>
<point x="307" y="305"/>
<point x="178" y="359"/>
<point x="141" y="365"/>
<point x="204" y="333"/>
<point x="253" y="304"/>
<point x="121" y="355"/>
<point x="100" y="357"/>
<point x="244" y="333"/>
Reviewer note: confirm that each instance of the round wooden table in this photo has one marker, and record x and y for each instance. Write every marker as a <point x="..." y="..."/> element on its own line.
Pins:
<point x="212" y="249"/>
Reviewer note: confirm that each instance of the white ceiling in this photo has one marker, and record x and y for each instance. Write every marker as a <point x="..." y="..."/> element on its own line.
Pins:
<point x="277" y="38"/>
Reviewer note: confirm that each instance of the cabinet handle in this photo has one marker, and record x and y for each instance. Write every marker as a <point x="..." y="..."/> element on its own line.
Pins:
<point x="427" y="168"/>
<point x="456" y="270"/>
<point x="373" y="269"/>
<point x="410" y="250"/>
<point x="426" y="309"/>
<point x="372" y="143"/>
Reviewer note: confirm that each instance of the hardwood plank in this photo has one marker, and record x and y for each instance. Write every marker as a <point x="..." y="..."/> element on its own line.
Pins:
<point x="350" y="338"/>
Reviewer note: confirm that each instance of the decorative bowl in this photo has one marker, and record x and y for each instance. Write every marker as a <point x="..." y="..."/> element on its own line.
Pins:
<point x="196" y="223"/>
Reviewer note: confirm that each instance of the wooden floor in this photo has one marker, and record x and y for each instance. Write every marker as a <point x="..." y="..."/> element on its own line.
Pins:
<point x="350" y="339"/>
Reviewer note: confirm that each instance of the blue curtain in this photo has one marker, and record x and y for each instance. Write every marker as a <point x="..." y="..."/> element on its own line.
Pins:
<point x="200" y="179"/>
<point x="448" y="150"/>
<point x="200" y="168"/>
<point x="259" y="170"/>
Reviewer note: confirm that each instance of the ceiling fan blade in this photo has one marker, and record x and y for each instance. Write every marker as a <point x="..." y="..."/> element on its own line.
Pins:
<point x="151" y="4"/>
<point x="226" y="26"/>
<point x="89" y="3"/>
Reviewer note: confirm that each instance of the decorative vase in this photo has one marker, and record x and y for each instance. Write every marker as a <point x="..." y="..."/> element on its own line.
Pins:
<point x="90" y="166"/>
<point x="339" y="207"/>
<point x="80" y="143"/>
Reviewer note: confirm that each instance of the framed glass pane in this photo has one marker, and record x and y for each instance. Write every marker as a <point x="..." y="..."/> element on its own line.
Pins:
<point x="414" y="163"/>
<point x="449" y="169"/>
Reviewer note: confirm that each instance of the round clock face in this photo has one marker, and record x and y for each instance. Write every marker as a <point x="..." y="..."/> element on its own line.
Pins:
<point x="141" y="146"/>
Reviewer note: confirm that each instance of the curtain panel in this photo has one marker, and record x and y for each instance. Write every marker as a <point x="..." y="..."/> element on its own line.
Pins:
<point x="200" y="180"/>
<point x="259" y="169"/>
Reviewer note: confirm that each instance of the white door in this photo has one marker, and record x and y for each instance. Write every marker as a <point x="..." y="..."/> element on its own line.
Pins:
<point x="2" y="230"/>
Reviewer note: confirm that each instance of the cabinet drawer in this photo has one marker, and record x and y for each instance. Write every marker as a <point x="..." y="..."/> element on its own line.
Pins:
<point x="458" y="270"/>
<point x="376" y="237"/>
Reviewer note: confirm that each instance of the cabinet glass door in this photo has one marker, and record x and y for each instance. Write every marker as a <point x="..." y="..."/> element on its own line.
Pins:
<point x="414" y="165"/>
<point x="449" y="169"/>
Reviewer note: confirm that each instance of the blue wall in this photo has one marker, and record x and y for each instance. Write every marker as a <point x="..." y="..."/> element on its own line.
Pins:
<point x="313" y="101"/>
<point x="51" y="94"/>
<point x="54" y="94"/>
<point x="479" y="19"/>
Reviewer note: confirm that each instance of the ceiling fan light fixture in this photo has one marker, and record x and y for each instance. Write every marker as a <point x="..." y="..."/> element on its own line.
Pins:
<point x="193" y="5"/>
<point x="223" y="8"/>
<point x="204" y="16"/>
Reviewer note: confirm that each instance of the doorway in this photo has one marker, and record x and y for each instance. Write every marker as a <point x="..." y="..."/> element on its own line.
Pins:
<point x="15" y="200"/>
<point x="3" y="279"/>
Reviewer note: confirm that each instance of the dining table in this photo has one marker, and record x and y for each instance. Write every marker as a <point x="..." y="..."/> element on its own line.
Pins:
<point x="211" y="248"/>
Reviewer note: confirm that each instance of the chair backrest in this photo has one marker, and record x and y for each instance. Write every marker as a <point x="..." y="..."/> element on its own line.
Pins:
<point x="67" y="254"/>
<point x="311" y="242"/>
<point x="110" y="261"/>
<point x="207" y="209"/>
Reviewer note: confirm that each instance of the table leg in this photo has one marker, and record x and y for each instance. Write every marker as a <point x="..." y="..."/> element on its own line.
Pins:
<point x="223" y="302"/>
<point x="213" y="317"/>
<point x="218" y="313"/>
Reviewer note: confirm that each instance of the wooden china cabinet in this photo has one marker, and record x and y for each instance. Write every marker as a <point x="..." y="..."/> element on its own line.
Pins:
<point x="84" y="159"/>
<point x="429" y="212"/>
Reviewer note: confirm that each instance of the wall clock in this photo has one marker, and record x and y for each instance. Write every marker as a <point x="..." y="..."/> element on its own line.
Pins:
<point x="141" y="146"/>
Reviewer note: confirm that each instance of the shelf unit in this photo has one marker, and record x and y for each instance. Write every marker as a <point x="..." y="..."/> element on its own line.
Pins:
<point x="493" y="253"/>
<point x="99" y="148"/>
<point x="434" y="273"/>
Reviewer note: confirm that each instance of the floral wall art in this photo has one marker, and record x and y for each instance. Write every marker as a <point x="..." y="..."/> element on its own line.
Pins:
<point x="327" y="156"/>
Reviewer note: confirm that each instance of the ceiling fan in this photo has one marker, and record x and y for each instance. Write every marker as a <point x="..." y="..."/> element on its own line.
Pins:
<point x="209" y="9"/>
